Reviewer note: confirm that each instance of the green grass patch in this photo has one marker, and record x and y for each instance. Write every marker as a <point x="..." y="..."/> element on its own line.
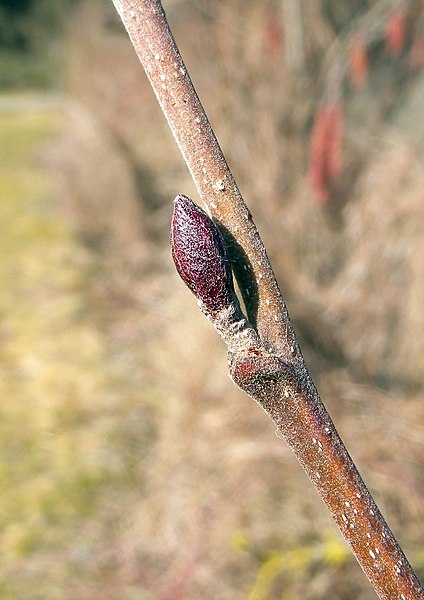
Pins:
<point x="55" y="379"/>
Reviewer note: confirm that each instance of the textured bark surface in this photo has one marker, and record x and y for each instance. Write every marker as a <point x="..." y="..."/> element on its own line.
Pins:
<point x="291" y="400"/>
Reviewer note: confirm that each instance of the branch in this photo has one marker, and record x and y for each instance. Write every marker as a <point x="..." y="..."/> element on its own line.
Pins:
<point x="264" y="356"/>
<point x="149" y="32"/>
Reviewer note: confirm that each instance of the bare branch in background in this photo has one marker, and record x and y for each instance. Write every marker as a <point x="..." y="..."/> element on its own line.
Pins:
<point x="293" y="35"/>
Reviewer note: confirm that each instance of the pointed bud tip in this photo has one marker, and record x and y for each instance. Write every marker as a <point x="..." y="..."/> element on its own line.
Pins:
<point x="181" y="198"/>
<point x="181" y="201"/>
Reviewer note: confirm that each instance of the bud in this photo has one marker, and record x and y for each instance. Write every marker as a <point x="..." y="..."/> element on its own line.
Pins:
<point x="200" y="256"/>
<point x="261" y="375"/>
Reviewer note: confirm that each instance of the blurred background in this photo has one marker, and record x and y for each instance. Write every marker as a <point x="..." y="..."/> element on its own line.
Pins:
<point x="130" y="466"/>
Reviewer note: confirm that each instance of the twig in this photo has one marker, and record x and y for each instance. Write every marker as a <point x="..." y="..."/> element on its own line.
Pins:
<point x="265" y="358"/>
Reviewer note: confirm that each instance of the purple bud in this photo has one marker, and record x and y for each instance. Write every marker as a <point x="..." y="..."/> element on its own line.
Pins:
<point x="200" y="256"/>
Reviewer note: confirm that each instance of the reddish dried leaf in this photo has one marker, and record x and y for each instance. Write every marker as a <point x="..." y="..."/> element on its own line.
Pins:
<point x="358" y="61"/>
<point x="325" y="149"/>
<point x="396" y="31"/>
<point x="273" y="38"/>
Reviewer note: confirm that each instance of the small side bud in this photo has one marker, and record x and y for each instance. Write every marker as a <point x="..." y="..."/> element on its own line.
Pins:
<point x="254" y="372"/>
<point x="270" y="380"/>
<point x="200" y="256"/>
